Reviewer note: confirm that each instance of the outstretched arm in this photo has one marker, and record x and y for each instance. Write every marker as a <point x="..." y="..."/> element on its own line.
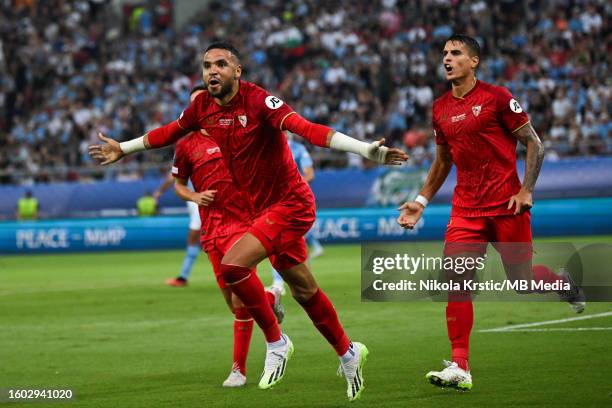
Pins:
<point x="111" y="150"/>
<point x="324" y="136"/>
<point x="523" y="200"/>
<point x="411" y="211"/>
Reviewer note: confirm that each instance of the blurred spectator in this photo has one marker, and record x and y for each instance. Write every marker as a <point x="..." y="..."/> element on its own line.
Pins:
<point x="369" y="68"/>
<point x="27" y="207"/>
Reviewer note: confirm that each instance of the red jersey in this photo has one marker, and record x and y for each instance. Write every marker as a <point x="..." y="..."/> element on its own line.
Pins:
<point x="478" y="131"/>
<point x="198" y="158"/>
<point x="255" y="150"/>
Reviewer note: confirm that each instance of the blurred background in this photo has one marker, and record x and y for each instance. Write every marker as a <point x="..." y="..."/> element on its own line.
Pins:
<point x="371" y="69"/>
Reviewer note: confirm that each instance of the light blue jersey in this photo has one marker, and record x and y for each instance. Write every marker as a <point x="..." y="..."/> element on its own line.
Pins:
<point x="300" y="155"/>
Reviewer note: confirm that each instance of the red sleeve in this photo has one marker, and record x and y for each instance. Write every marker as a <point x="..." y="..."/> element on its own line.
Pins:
<point x="189" y="117"/>
<point x="438" y="134"/>
<point x="165" y="135"/>
<point x="509" y="111"/>
<point x="269" y="109"/>
<point x="181" y="167"/>
<point x="313" y="132"/>
<point x="170" y="133"/>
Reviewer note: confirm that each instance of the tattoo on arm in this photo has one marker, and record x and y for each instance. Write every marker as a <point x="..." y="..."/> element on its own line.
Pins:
<point x="535" y="155"/>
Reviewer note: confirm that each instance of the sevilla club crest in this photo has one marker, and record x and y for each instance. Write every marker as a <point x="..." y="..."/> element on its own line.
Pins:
<point x="243" y="120"/>
<point x="476" y="110"/>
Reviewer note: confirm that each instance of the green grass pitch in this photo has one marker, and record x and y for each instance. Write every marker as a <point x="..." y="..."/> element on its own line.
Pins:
<point x="105" y="326"/>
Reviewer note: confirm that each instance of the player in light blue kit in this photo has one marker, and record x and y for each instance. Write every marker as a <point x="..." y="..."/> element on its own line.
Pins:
<point x="193" y="236"/>
<point x="306" y="167"/>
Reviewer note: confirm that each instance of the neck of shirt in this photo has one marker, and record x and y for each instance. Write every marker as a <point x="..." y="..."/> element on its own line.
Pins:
<point x="461" y="90"/>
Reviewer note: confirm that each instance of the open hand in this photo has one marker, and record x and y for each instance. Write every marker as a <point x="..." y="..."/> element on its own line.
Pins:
<point x="522" y="200"/>
<point x="106" y="153"/>
<point x="411" y="212"/>
<point x="386" y="155"/>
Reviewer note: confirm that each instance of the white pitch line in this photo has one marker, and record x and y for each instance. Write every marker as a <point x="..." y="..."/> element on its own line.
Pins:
<point x="560" y="329"/>
<point x="522" y="326"/>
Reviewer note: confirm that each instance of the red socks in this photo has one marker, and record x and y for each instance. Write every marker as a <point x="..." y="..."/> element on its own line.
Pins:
<point x="247" y="286"/>
<point x="243" y="328"/>
<point x="544" y="274"/>
<point x="323" y="315"/>
<point x="459" y="322"/>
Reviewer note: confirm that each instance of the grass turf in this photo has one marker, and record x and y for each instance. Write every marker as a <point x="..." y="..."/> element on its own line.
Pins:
<point x="107" y="327"/>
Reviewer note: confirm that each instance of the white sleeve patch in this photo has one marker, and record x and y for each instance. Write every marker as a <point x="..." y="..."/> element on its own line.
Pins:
<point x="174" y="170"/>
<point x="514" y="106"/>
<point x="273" y="102"/>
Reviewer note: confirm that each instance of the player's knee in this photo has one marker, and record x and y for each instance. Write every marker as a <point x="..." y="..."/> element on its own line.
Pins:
<point x="459" y="296"/>
<point x="241" y="313"/>
<point x="302" y="294"/>
<point x="236" y="303"/>
<point x="233" y="273"/>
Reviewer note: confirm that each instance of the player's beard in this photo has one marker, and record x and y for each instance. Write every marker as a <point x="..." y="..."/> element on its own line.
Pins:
<point x="224" y="89"/>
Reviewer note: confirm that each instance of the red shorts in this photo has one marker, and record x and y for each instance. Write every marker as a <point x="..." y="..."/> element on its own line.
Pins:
<point x="509" y="234"/>
<point x="281" y="229"/>
<point x="216" y="248"/>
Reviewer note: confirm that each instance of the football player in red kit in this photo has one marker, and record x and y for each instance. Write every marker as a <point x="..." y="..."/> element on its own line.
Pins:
<point x="225" y="215"/>
<point x="476" y="127"/>
<point x="248" y="123"/>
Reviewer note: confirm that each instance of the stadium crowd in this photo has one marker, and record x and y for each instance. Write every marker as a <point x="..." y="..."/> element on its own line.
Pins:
<point x="366" y="68"/>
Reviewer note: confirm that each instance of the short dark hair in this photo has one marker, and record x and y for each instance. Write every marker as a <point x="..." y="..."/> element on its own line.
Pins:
<point x="224" y="45"/>
<point x="471" y="43"/>
<point x="196" y="89"/>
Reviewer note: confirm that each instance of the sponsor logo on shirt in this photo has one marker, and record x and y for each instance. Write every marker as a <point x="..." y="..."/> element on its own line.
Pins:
<point x="514" y="106"/>
<point x="213" y="150"/>
<point x="243" y="120"/>
<point x="174" y="170"/>
<point x="273" y="102"/>
<point x="476" y="110"/>
<point x="458" y="118"/>
<point x="226" y="121"/>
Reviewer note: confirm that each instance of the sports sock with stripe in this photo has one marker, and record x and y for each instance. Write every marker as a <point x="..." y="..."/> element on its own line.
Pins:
<point x="249" y="289"/>
<point x="243" y="329"/>
<point x="459" y="322"/>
